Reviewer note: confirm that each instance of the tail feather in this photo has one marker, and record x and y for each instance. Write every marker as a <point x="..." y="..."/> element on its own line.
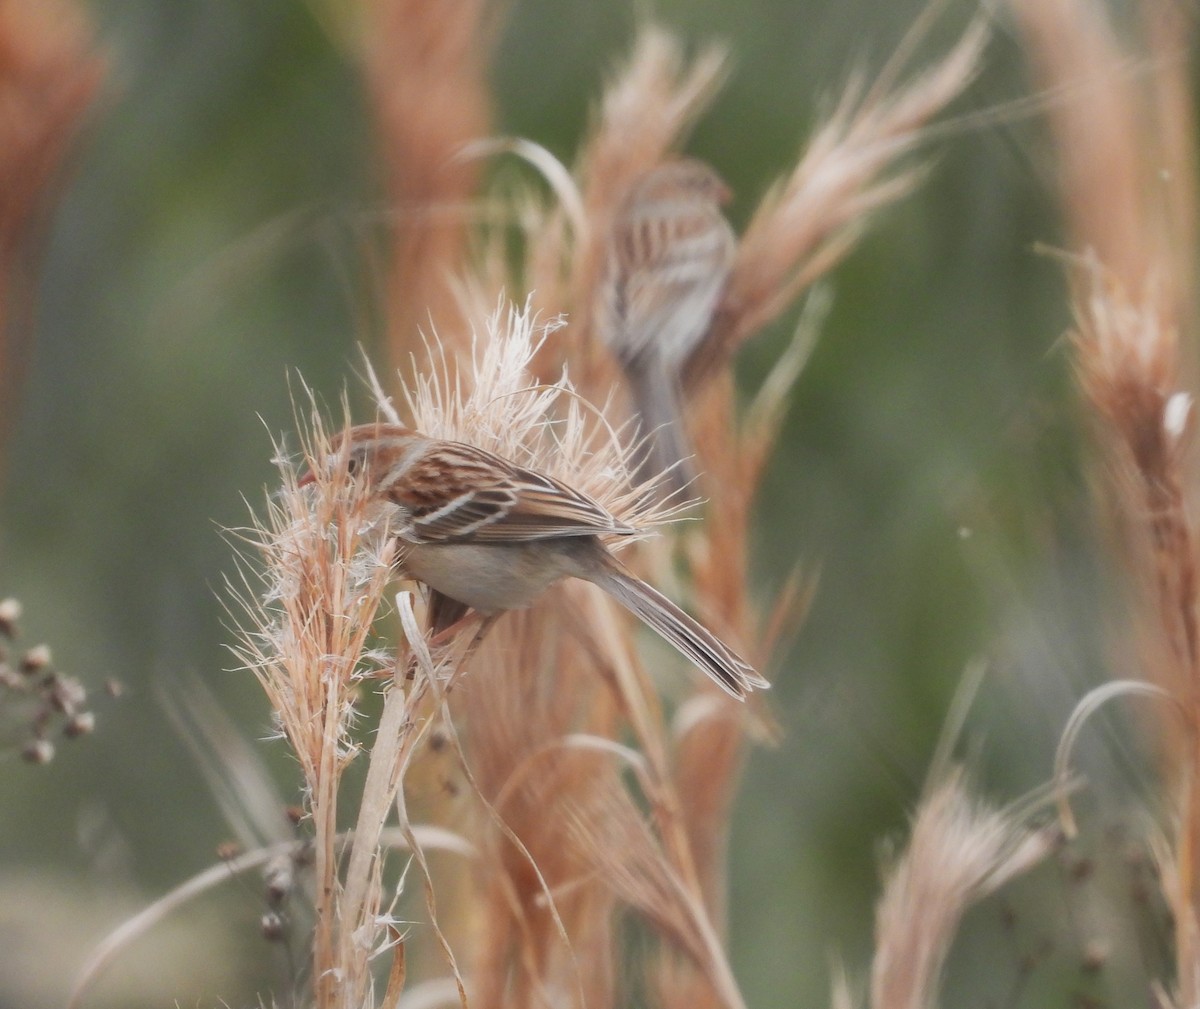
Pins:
<point x="665" y="453"/>
<point x="693" y="640"/>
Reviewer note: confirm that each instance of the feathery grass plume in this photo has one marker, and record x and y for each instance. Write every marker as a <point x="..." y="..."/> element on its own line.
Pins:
<point x="323" y="585"/>
<point x="1126" y="354"/>
<point x="807" y="222"/>
<point x="490" y="397"/>
<point x="1123" y="127"/>
<point x="424" y="69"/>
<point x="49" y="76"/>
<point x="959" y="852"/>
<point x="326" y="562"/>
<point x="307" y="610"/>
<point x="618" y="841"/>
<point x="540" y="739"/>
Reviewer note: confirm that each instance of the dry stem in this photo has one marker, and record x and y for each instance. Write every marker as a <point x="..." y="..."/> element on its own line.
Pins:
<point x="1123" y="131"/>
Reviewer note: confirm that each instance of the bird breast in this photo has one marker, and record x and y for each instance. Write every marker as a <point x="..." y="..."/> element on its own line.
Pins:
<point x="492" y="578"/>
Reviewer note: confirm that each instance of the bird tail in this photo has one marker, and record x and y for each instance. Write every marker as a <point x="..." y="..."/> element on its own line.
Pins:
<point x="665" y="454"/>
<point x="693" y="640"/>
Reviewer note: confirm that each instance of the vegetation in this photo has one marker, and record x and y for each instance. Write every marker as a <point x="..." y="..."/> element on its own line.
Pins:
<point x="545" y="810"/>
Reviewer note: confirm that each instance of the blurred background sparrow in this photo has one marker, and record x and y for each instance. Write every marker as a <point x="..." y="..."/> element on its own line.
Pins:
<point x="669" y="255"/>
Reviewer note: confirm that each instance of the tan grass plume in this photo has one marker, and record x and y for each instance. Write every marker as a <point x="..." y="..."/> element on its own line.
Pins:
<point x="50" y="74"/>
<point x="959" y="851"/>
<point x="1123" y="126"/>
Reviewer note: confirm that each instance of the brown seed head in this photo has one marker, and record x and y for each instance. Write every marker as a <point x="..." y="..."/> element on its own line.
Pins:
<point x="82" y="723"/>
<point x="36" y="659"/>
<point x="38" y="751"/>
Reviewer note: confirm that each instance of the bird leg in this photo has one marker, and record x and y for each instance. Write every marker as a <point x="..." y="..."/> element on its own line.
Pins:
<point x="444" y="634"/>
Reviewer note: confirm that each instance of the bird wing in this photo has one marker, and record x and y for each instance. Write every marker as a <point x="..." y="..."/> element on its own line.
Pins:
<point x="458" y="493"/>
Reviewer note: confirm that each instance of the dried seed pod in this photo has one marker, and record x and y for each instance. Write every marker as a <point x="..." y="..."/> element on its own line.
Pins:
<point x="273" y="926"/>
<point x="1095" y="956"/>
<point x="302" y="854"/>
<point x="279" y="875"/>
<point x="82" y="723"/>
<point x="35" y="659"/>
<point x="10" y="613"/>
<point x="38" y="751"/>
<point x="65" y="694"/>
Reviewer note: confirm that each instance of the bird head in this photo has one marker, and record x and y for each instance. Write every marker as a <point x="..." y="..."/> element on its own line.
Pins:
<point x="369" y="452"/>
<point x="688" y="178"/>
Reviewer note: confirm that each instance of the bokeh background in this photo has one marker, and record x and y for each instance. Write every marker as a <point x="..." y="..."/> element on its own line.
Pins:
<point x="209" y="247"/>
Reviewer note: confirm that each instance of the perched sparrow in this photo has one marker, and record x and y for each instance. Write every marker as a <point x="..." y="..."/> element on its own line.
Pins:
<point x="669" y="254"/>
<point x="486" y="534"/>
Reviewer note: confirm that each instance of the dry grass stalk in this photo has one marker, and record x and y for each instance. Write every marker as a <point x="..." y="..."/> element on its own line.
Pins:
<point x="322" y="590"/>
<point x="1099" y="131"/>
<point x="522" y="956"/>
<point x="326" y="562"/>
<point x="617" y="841"/>
<point x="151" y="917"/>
<point x="1126" y="353"/>
<point x="49" y="77"/>
<point x="1170" y="33"/>
<point x="1123" y="130"/>
<point x="1168" y="860"/>
<point x="959" y="852"/>
<point x="424" y="67"/>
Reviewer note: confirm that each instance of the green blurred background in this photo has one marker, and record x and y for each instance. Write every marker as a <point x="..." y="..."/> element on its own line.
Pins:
<point x="207" y="250"/>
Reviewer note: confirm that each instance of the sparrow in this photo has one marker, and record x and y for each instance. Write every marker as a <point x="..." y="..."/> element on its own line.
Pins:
<point x="486" y="534"/>
<point x="670" y="251"/>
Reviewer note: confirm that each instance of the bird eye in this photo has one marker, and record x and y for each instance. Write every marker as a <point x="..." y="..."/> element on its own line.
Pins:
<point x="352" y="465"/>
